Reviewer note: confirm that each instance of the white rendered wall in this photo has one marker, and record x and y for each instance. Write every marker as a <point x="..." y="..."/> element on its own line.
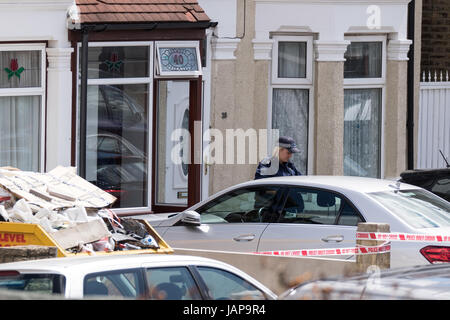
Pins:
<point x="33" y="20"/>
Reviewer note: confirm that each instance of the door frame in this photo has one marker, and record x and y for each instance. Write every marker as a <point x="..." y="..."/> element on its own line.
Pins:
<point x="194" y="167"/>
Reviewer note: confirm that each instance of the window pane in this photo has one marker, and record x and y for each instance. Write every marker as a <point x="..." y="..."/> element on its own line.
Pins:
<point x="418" y="208"/>
<point x="20" y="69"/>
<point x="291" y="59"/>
<point x="116" y="155"/>
<point x="20" y="132"/>
<point x="175" y="283"/>
<point x="348" y="216"/>
<point x="363" y="60"/>
<point x="43" y="283"/>
<point x="243" y="205"/>
<point x="290" y="116"/>
<point x="173" y="142"/>
<point x="118" y="62"/>
<point x="310" y="206"/>
<point x="224" y="285"/>
<point x="362" y="132"/>
<point x="123" y="283"/>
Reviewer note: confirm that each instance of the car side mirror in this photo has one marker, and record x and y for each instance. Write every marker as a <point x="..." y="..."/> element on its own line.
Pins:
<point x="191" y="217"/>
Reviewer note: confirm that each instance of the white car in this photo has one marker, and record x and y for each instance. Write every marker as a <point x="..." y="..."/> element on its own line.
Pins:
<point x="140" y="276"/>
<point x="310" y="212"/>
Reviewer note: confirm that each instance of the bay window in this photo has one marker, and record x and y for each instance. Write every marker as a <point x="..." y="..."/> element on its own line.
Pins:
<point x="117" y="140"/>
<point x="22" y="96"/>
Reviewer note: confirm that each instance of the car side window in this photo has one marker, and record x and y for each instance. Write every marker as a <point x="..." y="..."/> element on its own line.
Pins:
<point x="121" y="283"/>
<point x="172" y="283"/>
<point x="311" y="206"/>
<point x="348" y="215"/>
<point x="255" y="204"/>
<point x="224" y="285"/>
<point x="442" y="186"/>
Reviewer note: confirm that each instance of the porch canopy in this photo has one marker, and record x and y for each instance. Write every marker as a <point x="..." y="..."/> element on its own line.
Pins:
<point x="129" y="16"/>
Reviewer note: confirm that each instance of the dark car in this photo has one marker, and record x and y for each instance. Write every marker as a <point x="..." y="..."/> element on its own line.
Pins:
<point x="433" y="180"/>
<point x="431" y="282"/>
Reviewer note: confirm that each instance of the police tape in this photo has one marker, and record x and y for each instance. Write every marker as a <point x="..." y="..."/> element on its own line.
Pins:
<point x="384" y="236"/>
<point x="383" y="248"/>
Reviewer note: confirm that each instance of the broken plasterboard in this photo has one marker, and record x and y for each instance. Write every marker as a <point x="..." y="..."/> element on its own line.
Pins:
<point x="59" y="188"/>
<point x="83" y="232"/>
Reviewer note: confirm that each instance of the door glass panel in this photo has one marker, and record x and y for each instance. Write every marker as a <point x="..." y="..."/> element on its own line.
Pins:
<point x="117" y="137"/>
<point x="243" y="205"/>
<point x="290" y="117"/>
<point x="310" y="206"/>
<point x="362" y="132"/>
<point x="224" y="285"/>
<point x="173" y="142"/>
<point x="175" y="283"/>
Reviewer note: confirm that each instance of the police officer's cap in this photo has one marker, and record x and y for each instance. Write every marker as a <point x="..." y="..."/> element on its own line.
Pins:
<point x="289" y="144"/>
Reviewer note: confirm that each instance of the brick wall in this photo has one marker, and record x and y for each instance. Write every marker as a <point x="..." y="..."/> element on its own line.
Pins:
<point x="22" y="253"/>
<point x="436" y="35"/>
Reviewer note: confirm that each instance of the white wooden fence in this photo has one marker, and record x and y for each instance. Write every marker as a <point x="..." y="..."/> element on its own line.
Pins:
<point x="434" y="120"/>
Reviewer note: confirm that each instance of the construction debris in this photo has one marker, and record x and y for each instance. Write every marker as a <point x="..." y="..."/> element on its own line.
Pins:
<point x="74" y="212"/>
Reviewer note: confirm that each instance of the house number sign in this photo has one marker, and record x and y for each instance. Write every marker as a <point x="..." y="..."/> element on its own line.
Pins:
<point x="178" y="59"/>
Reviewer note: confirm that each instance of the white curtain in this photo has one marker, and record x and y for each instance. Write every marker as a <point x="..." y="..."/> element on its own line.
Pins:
<point x="20" y="132"/>
<point x="290" y="116"/>
<point x="292" y="59"/>
<point x="362" y="132"/>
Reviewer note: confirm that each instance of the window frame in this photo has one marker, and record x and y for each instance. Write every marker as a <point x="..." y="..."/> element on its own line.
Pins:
<point x="309" y="58"/>
<point x="294" y="83"/>
<point x="373" y="83"/>
<point x="122" y="81"/>
<point x="32" y="91"/>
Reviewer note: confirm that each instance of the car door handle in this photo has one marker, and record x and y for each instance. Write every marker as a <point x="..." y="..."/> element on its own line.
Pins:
<point x="337" y="238"/>
<point x="245" y="237"/>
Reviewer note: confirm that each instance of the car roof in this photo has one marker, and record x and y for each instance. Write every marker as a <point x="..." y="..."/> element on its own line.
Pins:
<point x="350" y="183"/>
<point x="400" y="282"/>
<point x="99" y="262"/>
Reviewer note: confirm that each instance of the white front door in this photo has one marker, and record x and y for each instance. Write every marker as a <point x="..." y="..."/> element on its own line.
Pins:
<point x="176" y="178"/>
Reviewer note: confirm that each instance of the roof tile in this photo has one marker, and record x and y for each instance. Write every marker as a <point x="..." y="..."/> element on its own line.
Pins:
<point x="122" y="11"/>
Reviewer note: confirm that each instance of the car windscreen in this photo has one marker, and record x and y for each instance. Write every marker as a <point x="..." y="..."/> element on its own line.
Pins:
<point x="417" y="207"/>
<point x="46" y="283"/>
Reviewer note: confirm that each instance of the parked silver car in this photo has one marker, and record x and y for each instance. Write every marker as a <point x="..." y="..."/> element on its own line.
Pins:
<point x="431" y="282"/>
<point x="140" y="276"/>
<point x="310" y="212"/>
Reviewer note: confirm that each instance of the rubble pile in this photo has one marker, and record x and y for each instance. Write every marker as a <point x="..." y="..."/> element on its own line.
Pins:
<point x="71" y="210"/>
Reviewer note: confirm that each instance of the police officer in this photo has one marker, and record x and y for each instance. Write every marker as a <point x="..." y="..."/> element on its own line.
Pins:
<point x="283" y="152"/>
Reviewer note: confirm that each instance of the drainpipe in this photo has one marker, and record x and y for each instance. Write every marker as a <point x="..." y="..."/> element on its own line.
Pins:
<point x="83" y="100"/>
<point x="410" y="88"/>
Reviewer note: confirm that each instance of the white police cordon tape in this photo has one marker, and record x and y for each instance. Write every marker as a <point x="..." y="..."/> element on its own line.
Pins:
<point x="401" y="237"/>
<point x="385" y="247"/>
